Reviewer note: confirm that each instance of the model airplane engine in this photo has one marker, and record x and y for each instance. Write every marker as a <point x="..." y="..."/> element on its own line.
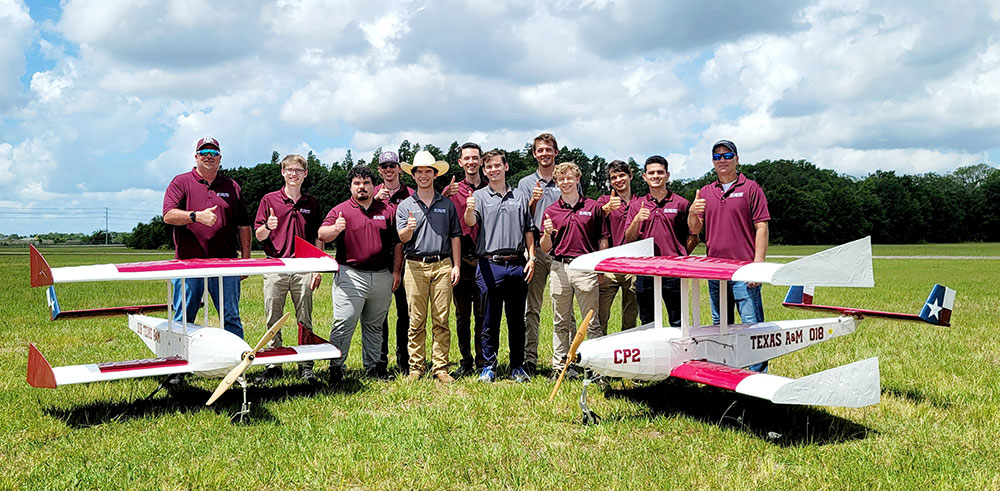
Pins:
<point x="642" y="354"/>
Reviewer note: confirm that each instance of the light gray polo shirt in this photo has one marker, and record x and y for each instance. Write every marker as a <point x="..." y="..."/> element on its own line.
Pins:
<point x="503" y="220"/>
<point x="436" y="225"/>
<point x="550" y="194"/>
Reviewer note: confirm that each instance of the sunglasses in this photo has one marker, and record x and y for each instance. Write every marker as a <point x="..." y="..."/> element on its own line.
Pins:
<point x="388" y="165"/>
<point x="209" y="153"/>
<point x="720" y="156"/>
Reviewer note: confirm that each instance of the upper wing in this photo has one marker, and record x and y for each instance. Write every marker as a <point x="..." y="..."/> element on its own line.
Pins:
<point x="307" y="259"/>
<point x="41" y="374"/>
<point x="845" y="265"/>
<point x="852" y="385"/>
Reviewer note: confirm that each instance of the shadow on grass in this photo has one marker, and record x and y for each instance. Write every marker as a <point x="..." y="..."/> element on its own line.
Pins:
<point x="915" y="396"/>
<point x="190" y="399"/>
<point x="784" y="425"/>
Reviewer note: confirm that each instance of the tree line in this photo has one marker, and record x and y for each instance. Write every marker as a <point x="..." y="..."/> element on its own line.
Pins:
<point x="808" y="205"/>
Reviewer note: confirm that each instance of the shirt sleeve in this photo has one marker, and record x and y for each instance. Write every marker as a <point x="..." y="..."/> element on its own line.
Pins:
<point x="759" y="206"/>
<point x="242" y="217"/>
<point x="330" y="217"/>
<point x="456" y="228"/>
<point x="261" y="212"/>
<point x="401" y="215"/>
<point x="173" y="197"/>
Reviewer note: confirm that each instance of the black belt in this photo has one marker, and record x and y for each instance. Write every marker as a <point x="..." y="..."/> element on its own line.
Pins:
<point x="427" y="259"/>
<point x="498" y="258"/>
<point x="563" y="259"/>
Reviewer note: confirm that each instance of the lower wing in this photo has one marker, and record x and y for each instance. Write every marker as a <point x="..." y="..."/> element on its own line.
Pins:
<point x="41" y="374"/>
<point x="852" y="385"/>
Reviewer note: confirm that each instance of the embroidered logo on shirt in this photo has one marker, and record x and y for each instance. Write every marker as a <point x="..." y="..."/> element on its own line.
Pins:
<point x="305" y="210"/>
<point x="736" y="195"/>
<point x="222" y="195"/>
<point x="439" y="210"/>
<point x="379" y="217"/>
<point x="670" y="210"/>
<point x="585" y="213"/>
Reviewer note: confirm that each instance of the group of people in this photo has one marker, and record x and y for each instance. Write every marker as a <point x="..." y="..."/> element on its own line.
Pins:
<point x="481" y="243"/>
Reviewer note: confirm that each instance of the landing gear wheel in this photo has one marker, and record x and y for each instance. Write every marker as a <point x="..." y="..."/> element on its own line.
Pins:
<point x="245" y="408"/>
<point x="590" y="418"/>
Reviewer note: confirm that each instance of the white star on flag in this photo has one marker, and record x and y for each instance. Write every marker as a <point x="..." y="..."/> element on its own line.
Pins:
<point x="935" y="309"/>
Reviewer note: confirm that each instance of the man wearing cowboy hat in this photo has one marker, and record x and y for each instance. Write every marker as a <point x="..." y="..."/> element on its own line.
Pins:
<point x="429" y="230"/>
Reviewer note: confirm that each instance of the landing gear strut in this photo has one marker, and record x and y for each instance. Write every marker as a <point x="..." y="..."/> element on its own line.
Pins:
<point x="589" y="417"/>
<point x="245" y="408"/>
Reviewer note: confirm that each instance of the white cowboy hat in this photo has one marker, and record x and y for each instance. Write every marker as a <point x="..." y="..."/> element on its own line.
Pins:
<point x="424" y="158"/>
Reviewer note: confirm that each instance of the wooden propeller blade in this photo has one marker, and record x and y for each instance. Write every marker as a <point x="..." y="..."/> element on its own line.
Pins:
<point x="580" y="334"/>
<point x="238" y="370"/>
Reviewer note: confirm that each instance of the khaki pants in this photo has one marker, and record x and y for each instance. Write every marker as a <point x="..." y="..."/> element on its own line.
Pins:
<point x="277" y="287"/>
<point x="536" y="290"/>
<point x="610" y="285"/>
<point x="566" y="284"/>
<point x="428" y="283"/>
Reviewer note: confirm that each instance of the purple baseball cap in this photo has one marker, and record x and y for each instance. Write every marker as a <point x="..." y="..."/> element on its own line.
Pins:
<point x="387" y="157"/>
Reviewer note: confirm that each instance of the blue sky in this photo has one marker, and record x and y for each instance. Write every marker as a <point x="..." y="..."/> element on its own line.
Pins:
<point x="101" y="102"/>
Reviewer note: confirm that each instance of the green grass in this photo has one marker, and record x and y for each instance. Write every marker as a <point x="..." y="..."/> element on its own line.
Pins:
<point x="936" y="426"/>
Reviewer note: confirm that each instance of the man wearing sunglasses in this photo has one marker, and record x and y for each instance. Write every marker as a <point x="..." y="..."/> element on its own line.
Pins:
<point x="392" y="191"/>
<point x="733" y="213"/>
<point x="210" y="221"/>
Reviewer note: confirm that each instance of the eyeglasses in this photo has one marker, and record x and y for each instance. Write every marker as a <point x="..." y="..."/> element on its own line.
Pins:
<point x="388" y="165"/>
<point x="209" y="153"/>
<point x="720" y="156"/>
<point x="295" y="171"/>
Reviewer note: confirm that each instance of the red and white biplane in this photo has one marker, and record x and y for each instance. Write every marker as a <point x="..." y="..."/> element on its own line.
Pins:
<point x="180" y="347"/>
<point x="715" y="354"/>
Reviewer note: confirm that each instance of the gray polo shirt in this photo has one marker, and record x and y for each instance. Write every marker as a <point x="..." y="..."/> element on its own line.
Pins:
<point x="550" y="194"/>
<point x="503" y="220"/>
<point x="436" y="225"/>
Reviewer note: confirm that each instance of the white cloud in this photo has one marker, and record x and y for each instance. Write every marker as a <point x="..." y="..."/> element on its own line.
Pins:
<point x="18" y="33"/>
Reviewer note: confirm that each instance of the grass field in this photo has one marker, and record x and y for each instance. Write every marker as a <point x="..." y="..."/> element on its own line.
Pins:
<point x="938" y="424"/>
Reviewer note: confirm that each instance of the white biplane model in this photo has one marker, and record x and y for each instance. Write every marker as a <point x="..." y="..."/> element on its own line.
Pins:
<point x="180" y="347"/>
<point x="715" y="354"/>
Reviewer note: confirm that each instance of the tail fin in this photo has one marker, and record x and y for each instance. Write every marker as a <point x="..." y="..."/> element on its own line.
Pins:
<point x="937" y="309"/>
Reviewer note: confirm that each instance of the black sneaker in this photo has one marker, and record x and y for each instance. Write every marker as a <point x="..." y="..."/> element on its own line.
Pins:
<point x="377" y="373"/>
<point x="307" y="375"/>
<point x="530" y="369"/>
<point x="464" y="371"/>
<point x="270" y="373"/>
<point x="336" y="375"/>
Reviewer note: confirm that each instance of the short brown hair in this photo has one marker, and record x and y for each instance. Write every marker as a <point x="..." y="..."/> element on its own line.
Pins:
<point x="492" y="154"/>
<point x="294" y="159"/>
<point x="619" y="166"/>
<point x="544" y="137"/>
<point x="566" y="168"/>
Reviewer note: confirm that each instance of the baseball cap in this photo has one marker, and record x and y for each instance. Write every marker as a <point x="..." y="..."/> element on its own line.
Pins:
<point x="387" y="157"/>
<point x="207" y="141"/>
<point x="728" y="144"/>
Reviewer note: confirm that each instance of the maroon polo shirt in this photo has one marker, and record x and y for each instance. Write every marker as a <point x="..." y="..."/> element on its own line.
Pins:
<point x="579" y="228"/>
<point x="469" y="234"/>
<point x="667" y="223"/>
<point x="618" y="219"/>
<point x="190" y="192"/>
<point x="730" y="217"/>
<point x="395" y="198"/>
<point x="367" y="242"/>
<point x="295" y="219"/>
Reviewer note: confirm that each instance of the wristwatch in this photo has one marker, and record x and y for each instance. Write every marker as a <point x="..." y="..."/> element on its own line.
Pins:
<point x="532" y="258"/>
<point x="193" y="216"/>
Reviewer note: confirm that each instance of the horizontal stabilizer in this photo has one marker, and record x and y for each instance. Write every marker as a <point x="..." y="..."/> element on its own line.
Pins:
<point x="936" y="310"/>
<point x="852" y="385"/>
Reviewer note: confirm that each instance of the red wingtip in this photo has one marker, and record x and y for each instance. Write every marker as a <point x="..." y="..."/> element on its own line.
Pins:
<point x="39" y="371"/>
<point x="41" y="273"/>
<point x="307" y="336"/>
<point x="304" y="249"/>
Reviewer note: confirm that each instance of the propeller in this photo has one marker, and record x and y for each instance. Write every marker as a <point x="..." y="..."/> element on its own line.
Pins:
<point x="580" y="334"/>
<point x="236" y="372"/>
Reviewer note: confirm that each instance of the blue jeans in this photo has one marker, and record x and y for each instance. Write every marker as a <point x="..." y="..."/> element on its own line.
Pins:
<point x="503" y="289"/>
<point x="195" y="290"/>
<point x="744" y="298"/>
<point x="671" y="292"/>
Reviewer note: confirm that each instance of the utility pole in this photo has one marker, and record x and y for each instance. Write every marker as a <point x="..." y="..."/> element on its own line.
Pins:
<point x="105" y="226"/>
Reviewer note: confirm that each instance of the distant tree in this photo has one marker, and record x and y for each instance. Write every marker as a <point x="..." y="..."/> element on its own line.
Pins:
<point x="153" y="235"/>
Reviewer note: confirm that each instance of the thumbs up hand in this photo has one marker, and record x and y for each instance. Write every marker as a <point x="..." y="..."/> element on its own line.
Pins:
<point x="643" y="213"/>
<point x="698" y="205"/>
<point x="613" y="203"/>
<point x="341" y="223"/>
<point x="470" y="204"/>
<point x="411" y="222"/>
<point x="207" y="216"/>
<point x="272" y="221"/>
<point x="451" y="189"/>
<point x="382" y="194"/>
<point x="547" y="225"/>
<point x="536" y="193"/>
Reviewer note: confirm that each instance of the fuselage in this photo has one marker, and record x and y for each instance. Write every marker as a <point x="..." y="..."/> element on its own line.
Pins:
<point x="648" y="353"/>
<point x="210" y="352"/>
